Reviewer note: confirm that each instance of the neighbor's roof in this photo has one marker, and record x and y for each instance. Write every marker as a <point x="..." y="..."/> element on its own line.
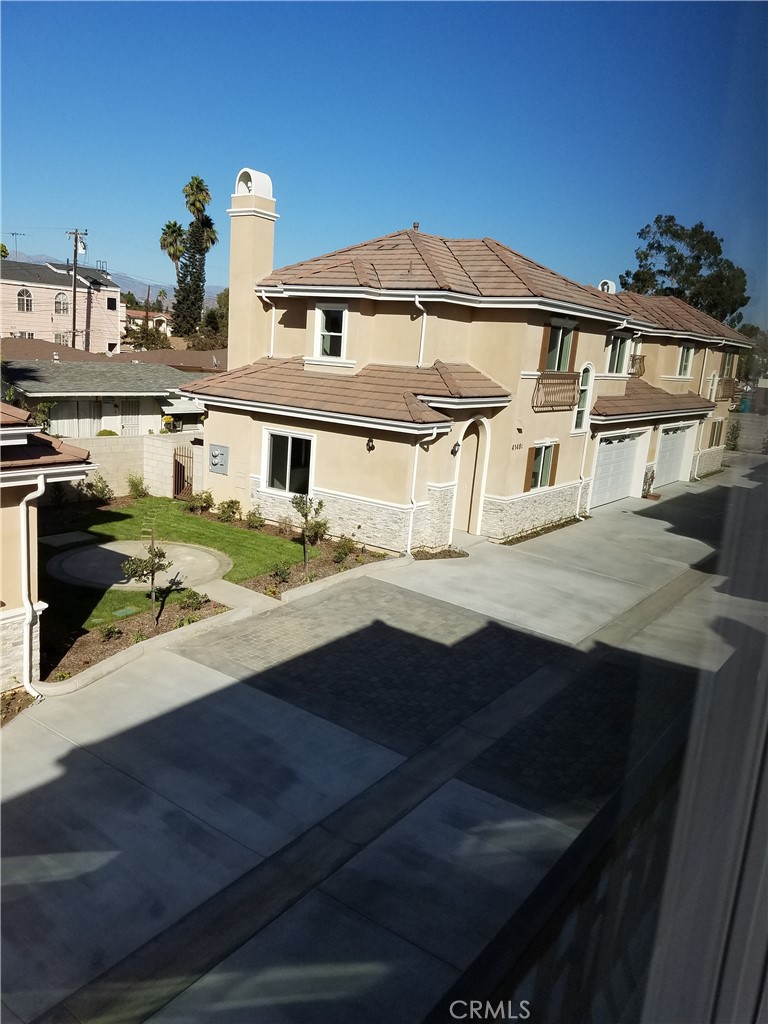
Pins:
<point x="673" y="314"/>
<point x="414" y="261"/>
<point x="153" y="314"/>
<point x="641" y="398"/>
<point x="375" y="392"/>
<point x="185" y="359"/>
<point x="91" y="378"/>
<point x="52" y="274"/>
<point x="10" y="416"/>
<point x="34" y="450"/>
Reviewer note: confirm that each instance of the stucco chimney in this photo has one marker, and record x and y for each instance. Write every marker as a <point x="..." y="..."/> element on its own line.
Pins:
<point x="251" y="251"/>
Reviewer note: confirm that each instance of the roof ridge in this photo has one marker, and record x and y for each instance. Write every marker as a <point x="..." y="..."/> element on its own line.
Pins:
<point x="541" y="266"/>
<point x="499" y="251"/>
<point x="448" y="378"/>
<point x="436" y="271"/>
<point x="416" y="409"/>
<point x="447" y="244"/>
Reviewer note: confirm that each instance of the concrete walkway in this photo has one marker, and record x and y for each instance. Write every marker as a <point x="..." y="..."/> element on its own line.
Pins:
<point x="325" y="812"/>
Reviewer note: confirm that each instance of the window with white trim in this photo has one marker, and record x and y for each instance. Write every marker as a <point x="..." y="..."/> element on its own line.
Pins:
<point x="582" y="407"/>
<point x="24" y="300"/>
<point x="684" y="364"/>
<point x="618" y="353"/>
<point x="541" y="466"/>
<point x="713" y="380"/>
<point x="716" y="434"/>
<point x="331" y="332"/>
<point x="559" y="348"/>
<point x="60" y="339"/>
<point x="726" y="368"/>
<point x="61" y="303"/>
<point x="289" y="462"/>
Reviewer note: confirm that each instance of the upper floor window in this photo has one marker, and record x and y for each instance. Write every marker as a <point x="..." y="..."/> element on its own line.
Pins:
<point x="686" y="357"/>
<point x="558" y="350"/>
<point x="726" y="367"/>
<point x="61" y="303"/>
<point x="582" y="407"/>
<point x="24" y="301"/>
<point x="331" y="332"/>
<point x="618" y="353"/>
<point x="111" y="303"/>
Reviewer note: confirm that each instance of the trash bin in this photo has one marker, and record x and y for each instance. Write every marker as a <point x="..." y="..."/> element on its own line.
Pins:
<point x="744" y="403"/>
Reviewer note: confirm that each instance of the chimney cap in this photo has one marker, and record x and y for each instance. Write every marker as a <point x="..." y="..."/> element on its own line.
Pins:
<point x="415" y="225"/>
<point x="254" y="183"/>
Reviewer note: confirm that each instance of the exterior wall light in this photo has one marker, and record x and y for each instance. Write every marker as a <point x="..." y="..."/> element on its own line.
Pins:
<point x="369" y="445"/>
<point x="455" y="449"/>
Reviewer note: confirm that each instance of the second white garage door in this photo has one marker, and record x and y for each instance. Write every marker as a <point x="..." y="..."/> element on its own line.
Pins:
<point x="615" y="469"/>
<point x="669" y="462"/>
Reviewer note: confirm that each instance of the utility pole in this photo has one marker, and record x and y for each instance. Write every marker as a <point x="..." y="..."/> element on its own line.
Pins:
<point x="78" y="236"/>
<point x="15" y="236"/>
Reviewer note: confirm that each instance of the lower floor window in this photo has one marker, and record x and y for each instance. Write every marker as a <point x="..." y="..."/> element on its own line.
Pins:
<point x="716" y="434"/>
<point x="289" y="458"/>
<point x="542" y="465"/>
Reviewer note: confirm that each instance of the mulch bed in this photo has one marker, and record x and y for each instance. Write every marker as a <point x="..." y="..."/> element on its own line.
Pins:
<point x="427" y="554"/>
<point x="320" y="567"/>
<point x="13" y="702"/>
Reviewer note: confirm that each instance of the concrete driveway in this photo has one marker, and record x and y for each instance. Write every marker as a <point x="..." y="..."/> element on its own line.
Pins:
<point x="325" y="812"/>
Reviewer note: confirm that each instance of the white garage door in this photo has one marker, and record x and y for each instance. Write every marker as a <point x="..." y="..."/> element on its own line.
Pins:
<point x="669" y="463"/>
<point x="616" y="461"/>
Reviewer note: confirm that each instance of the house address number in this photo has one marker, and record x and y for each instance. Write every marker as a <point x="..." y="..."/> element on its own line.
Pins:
<point x="517" y="447"/>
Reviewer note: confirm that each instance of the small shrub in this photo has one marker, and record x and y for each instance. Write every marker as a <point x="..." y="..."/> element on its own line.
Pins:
<point x="316" y="529"/>
<point x="61" y="675"/>
<point x="110" y="632"/>
<point x="200" y="502"/>
<point x="254" y="520"/>
<point x="311" y="576"/>
<point x="281" y="571"/>
<point x="285" y="526"/>
<point x="106" y="433"/>
<point x="343" y="547"/>
<point x="732" y="437"/>
<point x="764" y="447"/>
<point x="191" y="600"/>
<point x="138" y="637"/>
<point x="95" y="488"/>
<point x="136" y="486"/>
<point x="228" y="511"/>
<point x="185" y="620"/>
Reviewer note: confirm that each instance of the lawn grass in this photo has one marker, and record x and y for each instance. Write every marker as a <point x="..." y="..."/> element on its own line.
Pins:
<point x="252" y="553"/>
<point x="76" y="608"/>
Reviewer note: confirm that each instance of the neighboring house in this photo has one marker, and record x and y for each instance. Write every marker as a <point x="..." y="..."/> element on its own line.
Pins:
<point x="88" y="396"/>
<point x="29" y="462"/>
<point x="134" y="318"/>
<point x="191" y="360"/>
<point x="418" y="384"/>
<point x="36" y="302"/>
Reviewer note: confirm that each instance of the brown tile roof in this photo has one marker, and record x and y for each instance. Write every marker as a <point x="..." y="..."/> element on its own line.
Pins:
<point x="41" y="451"/>
<point x="674" y="314"/>
<point x="153" y="314"/>
<point x="414" y="261"/>
<point x="641" y="398"/>
<point x="10" y="416"/>
<point x="187" y="359"/>
<point x="375" y="392"/>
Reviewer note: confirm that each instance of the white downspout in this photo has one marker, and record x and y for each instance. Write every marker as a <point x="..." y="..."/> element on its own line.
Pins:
<point x="423" y="330"/>
<point x="581" y="477"/>
<point x="419" y="443"/>
<point x="29" y="610"/>
<point x="263" y="297"/>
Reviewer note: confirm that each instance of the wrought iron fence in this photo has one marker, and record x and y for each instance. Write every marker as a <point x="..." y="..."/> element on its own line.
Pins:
<point x="636" y="365"/>
<point x="556" y="392"/>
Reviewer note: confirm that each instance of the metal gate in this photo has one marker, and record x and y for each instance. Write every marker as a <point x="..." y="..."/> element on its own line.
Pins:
<point x="182" y="472"/>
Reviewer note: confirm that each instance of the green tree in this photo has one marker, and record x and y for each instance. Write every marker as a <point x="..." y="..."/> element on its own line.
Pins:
<point x="146" y="569"/>
<point x="312" y="527"/>
<point x="222" y="308"/>
<point x="147" y="337"/>
<point x="130" y="300"/>
<point x="196" y="196"/>
<point x="3" y="251"/>
<point x="688" y="263"/>
<point x="162" y="298"/>
<point x="173" y="240"/>
<point x="190" y="293"/>
<point x="753" y="364"/>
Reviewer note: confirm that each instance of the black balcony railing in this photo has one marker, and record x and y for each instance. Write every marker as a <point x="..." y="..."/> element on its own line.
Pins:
<point x="636" y="366"/>
<point x="726" y="389"/>
<point x="556" y="392"/>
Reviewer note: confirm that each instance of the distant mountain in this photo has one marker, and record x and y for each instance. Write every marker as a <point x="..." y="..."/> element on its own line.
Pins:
<point x="127" y="283"/>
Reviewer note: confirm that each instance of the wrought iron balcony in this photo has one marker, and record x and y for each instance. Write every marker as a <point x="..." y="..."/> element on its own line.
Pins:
<point x="636" y="366"/>
<point x="556" y="392"/>
<point x="726" y="389"/>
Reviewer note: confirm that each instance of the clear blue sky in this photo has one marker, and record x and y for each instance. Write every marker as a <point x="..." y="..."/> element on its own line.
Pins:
<point x="558" y="128"/>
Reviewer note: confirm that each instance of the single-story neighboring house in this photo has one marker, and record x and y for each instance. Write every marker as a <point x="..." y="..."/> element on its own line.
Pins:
<point x="86" y="397"/>
<point x="192" y="360"/>
<point x="162" y="322"/>
<point x="29" y="462"/>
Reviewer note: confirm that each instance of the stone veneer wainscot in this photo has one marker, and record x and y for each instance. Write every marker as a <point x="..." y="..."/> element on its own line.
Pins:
<point x="512" y="517"/>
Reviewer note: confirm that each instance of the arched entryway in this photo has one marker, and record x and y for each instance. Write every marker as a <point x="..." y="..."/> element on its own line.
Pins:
<point x="470" y="477"/>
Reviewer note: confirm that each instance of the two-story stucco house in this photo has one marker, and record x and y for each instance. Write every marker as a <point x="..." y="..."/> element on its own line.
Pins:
<point x="36" y="301"/>
<point x="421" y="385"/>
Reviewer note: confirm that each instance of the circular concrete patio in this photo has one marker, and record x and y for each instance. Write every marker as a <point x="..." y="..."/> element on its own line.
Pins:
<point x="101" y="565"/>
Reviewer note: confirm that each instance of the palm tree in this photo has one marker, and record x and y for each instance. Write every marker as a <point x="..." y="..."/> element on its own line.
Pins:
<point x="173" y="240"/>
<point x="196" y="196"/>
<point x="162" y="296"/>
<point x="210" y="235"/>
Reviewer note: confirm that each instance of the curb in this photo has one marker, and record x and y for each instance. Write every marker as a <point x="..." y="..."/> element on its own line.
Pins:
<point x="96" y="672"/>
<point x="309" y="589"/>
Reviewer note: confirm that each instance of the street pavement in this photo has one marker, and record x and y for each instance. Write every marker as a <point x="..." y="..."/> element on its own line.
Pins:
<point x="324" y="812"/>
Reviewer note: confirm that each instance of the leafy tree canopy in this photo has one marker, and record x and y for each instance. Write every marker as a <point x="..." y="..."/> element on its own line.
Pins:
<point x="148" y="338"/>
<point x="688" y="263"/>
<point x="3" y="251"/>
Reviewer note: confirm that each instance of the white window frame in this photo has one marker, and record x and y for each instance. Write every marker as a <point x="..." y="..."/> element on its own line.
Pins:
<point x="718" y="430"/>
<point x="563" y="345"/>
<point x="546" y="447"/>
<point x="24" y="302"/>
<point x="728" y="361"/>
<point x="266" y="452"/>
<point x="320" y="310"/>
<point x="619" y="345"/>
<point x="685" y="362"/>
<point x="60" y="338"/>
<point x="580" y="428"/>
<point x="61" y="303"/>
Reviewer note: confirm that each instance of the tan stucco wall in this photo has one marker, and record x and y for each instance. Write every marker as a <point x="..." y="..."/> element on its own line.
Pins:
<point x="10" y="534"/>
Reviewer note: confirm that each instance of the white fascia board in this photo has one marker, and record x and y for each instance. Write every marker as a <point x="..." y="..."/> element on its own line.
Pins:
<point x="464" y="403"/>
<point x="454" y="298"/>
<point x="705" y="339"/>
<point x="13" y="435"/>
<point x="648" y="416"/>
<point x="292" y="412"/>
<point x="109" y="393"/>
<point x="52" y="474"/>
